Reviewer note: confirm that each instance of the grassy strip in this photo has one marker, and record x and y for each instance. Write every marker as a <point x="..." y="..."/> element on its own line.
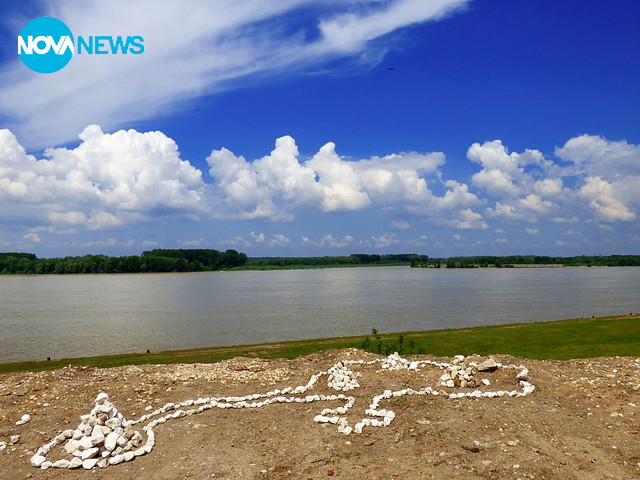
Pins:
<point x="563" y="339"/>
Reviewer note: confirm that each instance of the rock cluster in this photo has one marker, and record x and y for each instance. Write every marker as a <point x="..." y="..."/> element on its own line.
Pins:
<point x="104" y="437"/>
<point x="341" y="378"/>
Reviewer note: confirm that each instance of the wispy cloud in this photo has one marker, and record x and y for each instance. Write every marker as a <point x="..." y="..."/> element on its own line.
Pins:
<point x="192" y="48"/>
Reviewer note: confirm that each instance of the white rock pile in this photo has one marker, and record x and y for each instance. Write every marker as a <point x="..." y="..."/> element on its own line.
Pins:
<point x="341" y="378"/>
<point x="105" y="437"/>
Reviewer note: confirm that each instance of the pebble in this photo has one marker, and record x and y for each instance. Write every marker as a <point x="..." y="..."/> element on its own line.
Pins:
<point x="24" y="419"/>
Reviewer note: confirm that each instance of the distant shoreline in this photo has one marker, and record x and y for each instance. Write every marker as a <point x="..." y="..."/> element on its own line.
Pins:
<point x="204" y="260"/>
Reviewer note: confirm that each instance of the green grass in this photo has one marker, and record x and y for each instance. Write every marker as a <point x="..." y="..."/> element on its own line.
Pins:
<point x="563" y="339"/>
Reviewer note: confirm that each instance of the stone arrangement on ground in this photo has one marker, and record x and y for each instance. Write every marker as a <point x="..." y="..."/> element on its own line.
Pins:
<point x="105" y="437"/>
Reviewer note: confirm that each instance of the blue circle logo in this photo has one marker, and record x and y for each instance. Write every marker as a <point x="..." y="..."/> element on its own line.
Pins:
<point x="45" y="45"/>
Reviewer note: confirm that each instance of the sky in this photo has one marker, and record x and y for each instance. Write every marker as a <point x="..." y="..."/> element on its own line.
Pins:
<point x="327" y="127"/>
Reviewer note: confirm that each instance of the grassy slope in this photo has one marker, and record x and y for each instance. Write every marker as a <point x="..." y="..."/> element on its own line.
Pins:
<point x="564" y="339"/>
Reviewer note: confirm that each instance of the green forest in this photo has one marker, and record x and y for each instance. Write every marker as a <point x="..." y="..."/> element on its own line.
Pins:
<point x="199" y="260"/>
<point x="532" y="260"/>
<point x="354" y="260"/>
<point x="157" y="260"/>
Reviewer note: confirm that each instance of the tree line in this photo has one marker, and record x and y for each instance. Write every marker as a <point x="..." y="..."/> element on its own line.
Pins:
<point x="351" y="260"/>
<point x="157" y="260"/>
<point x="534" y="260"/>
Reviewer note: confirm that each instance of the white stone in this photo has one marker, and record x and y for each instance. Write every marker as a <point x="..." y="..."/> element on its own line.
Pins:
<point x="13" y="439"/>
<point x="24" y="419"/>
<point x="85" y="443"/>
<point x="488" y="365"/>
<point x="61" y="464"/>
<point x="46" y="464"/>
<point x="89" y="453"/>
<point x="113" y="423"/>
<point x="89" y="463"/>
<point x="128" y="456"/>
<point x="101" y="398"/>
<point x="116" y="460"/>
<point x="37" y="460"/>
<point x="97" y="435"/>
<point x="71" y="446"/>
<point x="75" y="463"/>
<point x="111" y="441"/>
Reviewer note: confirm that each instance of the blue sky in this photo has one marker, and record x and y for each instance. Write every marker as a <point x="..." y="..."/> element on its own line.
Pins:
<point x="325" y="127"/>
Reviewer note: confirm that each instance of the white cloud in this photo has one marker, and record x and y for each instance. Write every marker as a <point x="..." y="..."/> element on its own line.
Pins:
<point x="118" y="180"/>
<point x="331" y="241"/>
<point x="467" y="220"/>
<point x="236" y="242"/>
<point x="400" y="225"/>
<point x="257" y="237"/>
<point x="192" y="48"/>
<point x="603" y="198"/>
<point x="32" y="237"/>
<point x="274" y="186"/>
<point x="108" y="180"/>
<point x="385" y="240"/>
<point x="191" y="243"/>
<point x="597" y="156"/>
<point x="279" y="240"/>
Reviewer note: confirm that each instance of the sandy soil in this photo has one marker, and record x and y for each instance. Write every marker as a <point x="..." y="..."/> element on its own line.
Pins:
<point x="582" y="422"/>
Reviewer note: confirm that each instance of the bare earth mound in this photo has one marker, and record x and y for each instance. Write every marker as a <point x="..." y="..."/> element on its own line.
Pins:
<point x="581" y="422"/>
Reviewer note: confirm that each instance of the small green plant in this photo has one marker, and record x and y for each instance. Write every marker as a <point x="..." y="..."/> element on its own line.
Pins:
<point x="375" y="344"/>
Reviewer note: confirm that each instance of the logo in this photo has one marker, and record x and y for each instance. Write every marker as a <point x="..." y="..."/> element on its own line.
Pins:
<point x="46" y="45"/>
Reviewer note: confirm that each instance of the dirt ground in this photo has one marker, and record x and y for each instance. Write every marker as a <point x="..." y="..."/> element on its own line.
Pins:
<point x="582" y="422"/>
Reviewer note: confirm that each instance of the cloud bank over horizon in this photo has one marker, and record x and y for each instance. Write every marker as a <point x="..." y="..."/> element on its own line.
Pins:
<point x="112" y="182"/>
<point x="192" y="50"/>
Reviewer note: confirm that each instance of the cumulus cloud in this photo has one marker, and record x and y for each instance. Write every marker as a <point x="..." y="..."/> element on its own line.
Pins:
<point x="192" y="48"/>
<point x="596" y="156"/>
<point x="385" y="241"/>
<point x="108" y="180"/>
<point x="114" y="180"/>
<point x="604" y="176"/>
<point x="257" y="237"/>
<point x="274" y="186"/>
<point x="279" y="240"/>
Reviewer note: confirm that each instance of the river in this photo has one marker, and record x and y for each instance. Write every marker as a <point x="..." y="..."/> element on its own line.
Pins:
<point x="62" y="316"/>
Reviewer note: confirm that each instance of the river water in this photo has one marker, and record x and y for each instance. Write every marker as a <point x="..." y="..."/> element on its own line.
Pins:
<point x="61" y="316"/>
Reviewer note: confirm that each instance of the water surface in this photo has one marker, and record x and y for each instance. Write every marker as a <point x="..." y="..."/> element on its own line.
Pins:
<point x="83" y="315"/>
